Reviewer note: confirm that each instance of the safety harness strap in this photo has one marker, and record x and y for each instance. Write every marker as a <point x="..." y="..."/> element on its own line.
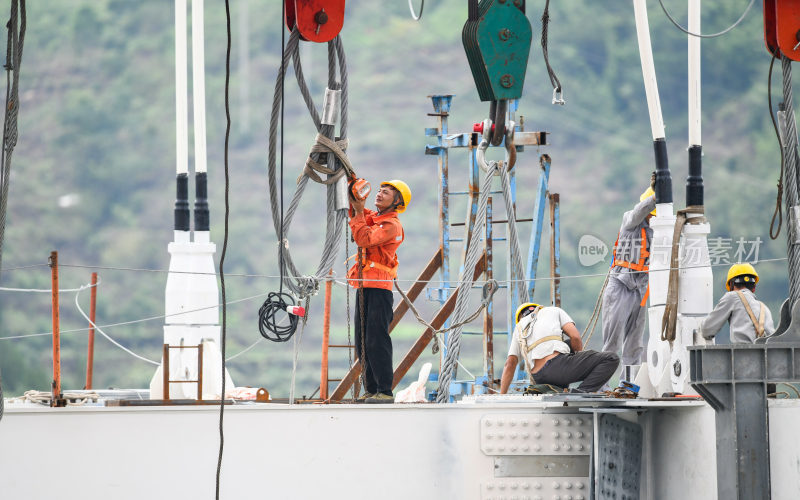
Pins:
<point x="643" y="255"/>
<point x="757" y="324"/>
<point x="365" y="262"/>
<point x="542" y="340"/>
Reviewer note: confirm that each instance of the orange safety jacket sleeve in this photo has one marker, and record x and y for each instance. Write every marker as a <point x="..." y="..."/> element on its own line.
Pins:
<point x="367" y="236"/>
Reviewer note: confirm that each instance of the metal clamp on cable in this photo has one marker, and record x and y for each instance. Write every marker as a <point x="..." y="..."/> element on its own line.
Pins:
<point x="511" y="151"/>
<point x="794" y="225"/>
<point x="558" y="96"/>
<point x="330" y="107"/>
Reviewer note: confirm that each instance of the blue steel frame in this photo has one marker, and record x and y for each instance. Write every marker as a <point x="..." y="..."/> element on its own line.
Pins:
<point x="445" y="142"/>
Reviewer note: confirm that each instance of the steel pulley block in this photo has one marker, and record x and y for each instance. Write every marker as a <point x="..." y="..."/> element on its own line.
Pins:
<point x="316" y="20"/>
<point x="497" y="40"/>
<point x="782" y="28"/>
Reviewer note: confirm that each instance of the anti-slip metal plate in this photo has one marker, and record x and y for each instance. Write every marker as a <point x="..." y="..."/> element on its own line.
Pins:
<point x="561" y="488"/>
<point x="542" y="466"/>
<point x="536" y="434"/>
<point x="619" y="458"/>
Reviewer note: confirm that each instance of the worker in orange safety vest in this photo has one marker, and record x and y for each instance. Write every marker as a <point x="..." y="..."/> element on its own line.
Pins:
<point x="625" y="295"/>
<point x="377" y="234"/>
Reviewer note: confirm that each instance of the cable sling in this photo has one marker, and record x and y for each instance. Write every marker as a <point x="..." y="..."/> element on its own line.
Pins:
<point x="327" y="157"/>
<point x="16" y="39"/>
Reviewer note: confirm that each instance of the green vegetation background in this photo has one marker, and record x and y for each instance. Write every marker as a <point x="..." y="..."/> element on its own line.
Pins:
<point x="93" y="173"/>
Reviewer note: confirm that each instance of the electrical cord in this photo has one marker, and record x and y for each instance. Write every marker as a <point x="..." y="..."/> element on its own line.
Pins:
<point x="268" y="325"/>
<point x="713" y="35"/>
<point x="275" y="303"/>
<point x="224" y="242"/>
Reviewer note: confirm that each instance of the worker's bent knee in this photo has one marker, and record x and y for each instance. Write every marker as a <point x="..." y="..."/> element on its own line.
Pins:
<point x="611" y="357"/>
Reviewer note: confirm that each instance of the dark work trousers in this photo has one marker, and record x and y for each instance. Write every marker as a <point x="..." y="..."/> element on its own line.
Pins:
<point x="592" y="367"/>
<point x="378" y="314"/>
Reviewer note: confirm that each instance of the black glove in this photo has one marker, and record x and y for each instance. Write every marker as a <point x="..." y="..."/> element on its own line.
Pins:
<point x="653" y="181"/>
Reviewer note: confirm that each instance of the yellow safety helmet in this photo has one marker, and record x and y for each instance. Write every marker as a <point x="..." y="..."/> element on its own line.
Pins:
<point x="403" y="189"/>
<point x="522" y="309"/>
<point x="648" y="194"/>
<point x="747" y="271"/>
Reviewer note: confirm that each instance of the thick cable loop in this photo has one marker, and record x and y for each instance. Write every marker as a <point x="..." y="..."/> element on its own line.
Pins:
<point x="268" y="324"/>
<point x="474" y="251"/>
<point x="336" y="219"/>
<point x="558" y="95"/>
<point x="790" y="180"/>
<point x="16" y="40"/>
<point x="778" y="213"/>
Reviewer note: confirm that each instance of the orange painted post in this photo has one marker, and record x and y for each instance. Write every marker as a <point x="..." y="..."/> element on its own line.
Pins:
<point x="326" y="337"/>
<point x="56" y="384"/>
<point x="90" y="347"/>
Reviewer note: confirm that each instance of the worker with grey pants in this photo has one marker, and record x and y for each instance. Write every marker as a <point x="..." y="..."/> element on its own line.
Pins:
<point x="625" y="295"/>
<point x="537" y="339"/>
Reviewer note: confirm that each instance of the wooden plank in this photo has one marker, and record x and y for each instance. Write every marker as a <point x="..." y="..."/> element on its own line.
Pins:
<point x="400" y="310"/>
<point x="437" y="322"/>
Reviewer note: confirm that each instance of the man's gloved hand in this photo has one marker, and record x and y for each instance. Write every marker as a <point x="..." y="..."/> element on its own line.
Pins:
<point x="653" y="181"/>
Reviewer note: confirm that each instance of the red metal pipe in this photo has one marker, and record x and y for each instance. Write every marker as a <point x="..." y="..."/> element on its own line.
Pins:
<point x="326" y="336"/>
<point x="90" y="347"/>
<point x="56" y="385"/>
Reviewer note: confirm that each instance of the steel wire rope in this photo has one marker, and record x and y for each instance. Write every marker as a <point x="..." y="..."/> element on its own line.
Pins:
<point x="140" y="320"/>
<point x="308" y="285"/>
<point x="790" y="180"/>
<point x="511" y="217"/>
<point x="713" y="35"/>
<point x="225" y="241"/>
<point x="16" y="41"/>
<point x="554" y="81"/>
<point x="470" y="261"/>
<point x="344" y="284"/>
<point x="773" y="234"/>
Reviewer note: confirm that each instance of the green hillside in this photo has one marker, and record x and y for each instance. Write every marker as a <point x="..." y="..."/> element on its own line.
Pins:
<point x="93" y="173"/>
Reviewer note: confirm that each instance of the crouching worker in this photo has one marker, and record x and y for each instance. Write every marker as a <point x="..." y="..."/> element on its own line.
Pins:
<point x="377" y="234"/>
<point x="749" y="318"/>
<point x="538" y="340"/>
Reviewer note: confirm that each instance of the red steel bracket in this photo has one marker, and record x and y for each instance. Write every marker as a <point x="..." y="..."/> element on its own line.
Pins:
<point x="782" y="28"/>
<point x="316" y="20"/>
<point x="770" y="28"/>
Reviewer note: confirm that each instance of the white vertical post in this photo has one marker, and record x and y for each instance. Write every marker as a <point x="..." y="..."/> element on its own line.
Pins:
<point x="694" y="74"/>
<point x="181" y="91"/>
<point x="648" y="69"/>
<point x="199" y="86"/>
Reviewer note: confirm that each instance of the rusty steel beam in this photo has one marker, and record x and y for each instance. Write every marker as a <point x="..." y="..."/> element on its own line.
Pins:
<point x="437" y="322"/>
<point x="90" y="346"/>
<point x="424" y="277"/>
<point x="419" y="285"/>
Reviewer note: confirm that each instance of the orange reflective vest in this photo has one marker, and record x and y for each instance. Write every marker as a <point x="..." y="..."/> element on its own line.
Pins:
<point x="378" y="237"/>
<point x="641" y="265"/>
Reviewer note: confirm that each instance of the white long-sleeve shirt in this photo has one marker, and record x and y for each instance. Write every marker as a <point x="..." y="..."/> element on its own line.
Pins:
<point x="730" y="309"/>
